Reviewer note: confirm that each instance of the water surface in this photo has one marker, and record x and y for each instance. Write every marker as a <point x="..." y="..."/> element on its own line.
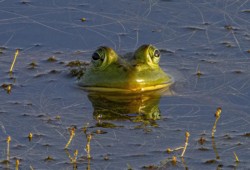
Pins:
<point x="194" y="36"/>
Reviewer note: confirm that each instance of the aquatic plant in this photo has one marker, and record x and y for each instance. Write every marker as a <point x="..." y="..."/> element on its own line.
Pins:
<point x="77" y="68"/>
<point x="169" y="150"/>
<point x="72" y="134"/>
<point x="17" y="164"/>
<point x="87" y="148"/>
<point x="217" y="116"/>
<point x="73" y="159"/>
<point x="186" y="143"/>
<point x="236" y="158"/>
<point x="8" y="148"/>
<point x="13" y="62"/>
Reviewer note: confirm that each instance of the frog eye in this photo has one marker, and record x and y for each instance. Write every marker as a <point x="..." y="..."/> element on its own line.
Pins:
<point x="154" y="54"/>
<point x="157" y="53"/>
<point x="96" y="56"/>
<point x="103" y="57"/>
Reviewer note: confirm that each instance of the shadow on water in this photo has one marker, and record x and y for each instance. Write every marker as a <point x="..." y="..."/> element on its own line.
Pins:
<point x="142" y="107"/>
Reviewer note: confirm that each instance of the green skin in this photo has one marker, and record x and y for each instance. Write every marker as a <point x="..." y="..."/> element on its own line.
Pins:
<point x="132" y="73"/>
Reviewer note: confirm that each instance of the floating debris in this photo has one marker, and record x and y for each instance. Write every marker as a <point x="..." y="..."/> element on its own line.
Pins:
<point x="194" y="28"/>
<point x="25" y="2"/>
<point x="199" y="73"/>
<point x="228" y="44"/>
<point x="174" y="160"/>
<point x="99" y="131"/>
<point x="77" y="68"/>
<point x="52" y="59"/>
<point x="49" y="158"/>
<point x="246" y="10"/>
<point x="7" y="87"/>
<point x="238" y="71"/>
<point x="83" y="19"/>
<point x="30" y="136"/>
<point x="211" y="161"/>
<point x="33" y="65"/>
<point x="106" y="157"/>
<point x="202" y="140"/>
<point x="230" y="28"/>
<point x="54" y="71"/>
<point x="203" y="149"/>
<point x="129" y="167"/>
<point x="150" y="167"/>
<point x="247" y="134"/>
<point x="77" y="63"/>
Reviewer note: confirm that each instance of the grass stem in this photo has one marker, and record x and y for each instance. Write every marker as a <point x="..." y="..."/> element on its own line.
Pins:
<point x="236" y="158"/>
<point x="72" y="134"/>
<point x="17" y="164"/>
<point x="187" y="134"/>
<point x="217" y="116"/>
<point x="8" y="147"/>
<point x="13" y="62"/>
<point x="87" y="148"/>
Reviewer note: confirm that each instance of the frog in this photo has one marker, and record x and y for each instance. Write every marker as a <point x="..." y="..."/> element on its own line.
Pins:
<point x="132" y="73"/>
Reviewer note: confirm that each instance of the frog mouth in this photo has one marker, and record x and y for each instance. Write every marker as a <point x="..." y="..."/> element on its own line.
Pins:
<point x="127" y="91"/>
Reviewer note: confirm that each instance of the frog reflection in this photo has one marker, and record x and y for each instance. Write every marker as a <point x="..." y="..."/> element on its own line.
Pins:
<point x="141" y="107"/>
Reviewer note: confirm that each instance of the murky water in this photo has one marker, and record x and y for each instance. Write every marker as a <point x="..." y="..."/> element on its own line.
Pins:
<point x="211" y="38"/>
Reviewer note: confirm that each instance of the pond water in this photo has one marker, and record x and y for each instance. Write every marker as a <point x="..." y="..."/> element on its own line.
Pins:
<point x="208" y="38"/>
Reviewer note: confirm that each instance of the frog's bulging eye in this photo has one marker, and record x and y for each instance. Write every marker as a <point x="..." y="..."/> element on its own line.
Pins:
<point x="154" y="54"/>
<point x="96" y="56"/>
<point x="157" y="53"/>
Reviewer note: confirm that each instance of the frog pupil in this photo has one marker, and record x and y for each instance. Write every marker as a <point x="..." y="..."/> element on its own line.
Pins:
<point x="96" y="56"/>
<point x="157" y="53"/>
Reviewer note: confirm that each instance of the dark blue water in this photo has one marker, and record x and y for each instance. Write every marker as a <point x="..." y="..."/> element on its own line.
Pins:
<point x="210" y="37"/>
